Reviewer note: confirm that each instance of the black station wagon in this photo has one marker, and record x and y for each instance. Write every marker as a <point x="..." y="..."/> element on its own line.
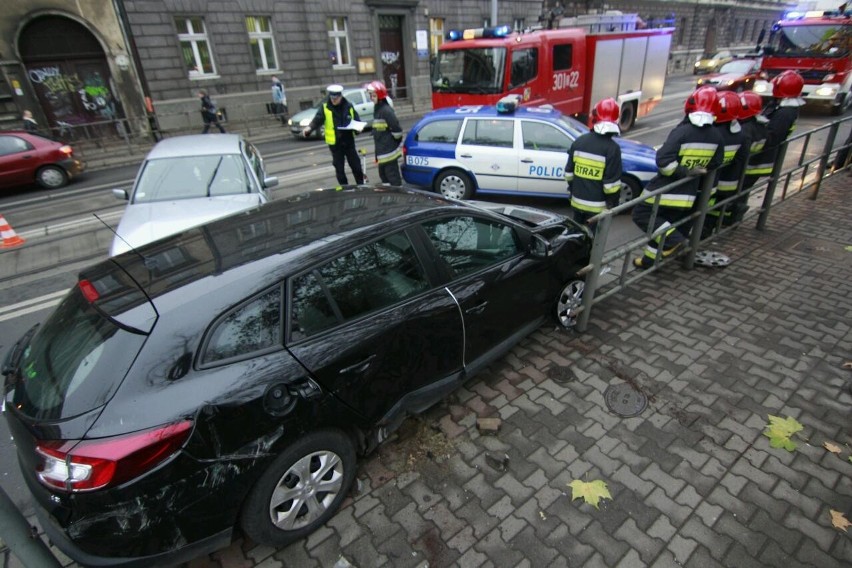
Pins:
<point x="229" y="375"/>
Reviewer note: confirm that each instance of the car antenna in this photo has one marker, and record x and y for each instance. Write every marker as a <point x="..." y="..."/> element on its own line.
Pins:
<point x="114" y="232"/>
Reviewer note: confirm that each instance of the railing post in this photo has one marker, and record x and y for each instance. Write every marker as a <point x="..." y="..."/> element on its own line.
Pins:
<point x="770" y="188"/>
<point x="698" y="224"/>
<point x="17" y="533"/>
<point x="823" y="163"/>
<point x="598" y="249"/>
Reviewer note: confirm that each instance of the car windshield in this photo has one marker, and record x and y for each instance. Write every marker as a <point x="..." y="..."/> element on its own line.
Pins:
<point x="74" y="363"/>
<point x="472" y="70"/>
<point x="829" y="40"/>
<point x="192" y="177"/>
<point x="741" y="67"/>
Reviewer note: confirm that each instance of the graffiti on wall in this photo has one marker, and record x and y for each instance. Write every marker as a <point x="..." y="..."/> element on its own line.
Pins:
<point x="72" y="97"/>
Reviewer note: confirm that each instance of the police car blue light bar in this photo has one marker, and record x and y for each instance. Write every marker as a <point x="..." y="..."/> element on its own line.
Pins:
<point x="508" y="103"/>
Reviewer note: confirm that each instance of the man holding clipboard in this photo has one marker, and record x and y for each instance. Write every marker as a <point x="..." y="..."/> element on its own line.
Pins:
<point x="340" y="121"/>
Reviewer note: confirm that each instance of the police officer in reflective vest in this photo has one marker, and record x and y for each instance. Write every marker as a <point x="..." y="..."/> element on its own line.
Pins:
<point x="593" y="171"/>
<point x="387" y="134"/>
<point x="781" y="115"/>
<point x="727" y="111"/>
<point x="334" y="115"/>
<point x="692" y="149"/>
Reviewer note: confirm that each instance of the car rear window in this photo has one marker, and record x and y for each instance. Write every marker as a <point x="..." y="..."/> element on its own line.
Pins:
<point x="74" y="363"/>
<point x="440" y="131"/>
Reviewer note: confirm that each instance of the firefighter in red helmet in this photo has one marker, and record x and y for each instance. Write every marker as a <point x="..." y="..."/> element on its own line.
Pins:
<point x="692" y="149"/>
<point x="593" y="171"/>
<point x="781" y="115"/>
<point x="387" y="134"/>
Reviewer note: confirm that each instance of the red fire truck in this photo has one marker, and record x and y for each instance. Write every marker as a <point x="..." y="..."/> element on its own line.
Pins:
<point x="819" y="46"/>
<point x="570" y="68"/>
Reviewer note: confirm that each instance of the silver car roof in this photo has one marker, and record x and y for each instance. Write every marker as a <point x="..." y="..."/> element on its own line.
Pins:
<point x="196" y="145"/>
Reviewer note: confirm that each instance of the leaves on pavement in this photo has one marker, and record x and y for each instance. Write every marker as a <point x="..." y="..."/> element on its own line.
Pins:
<point x="779" y="430"/>
<point x="839" y="520"/>
<point x="592" y="492"/>
<point x="847" y="365"/>
<point x="833" y="448"/>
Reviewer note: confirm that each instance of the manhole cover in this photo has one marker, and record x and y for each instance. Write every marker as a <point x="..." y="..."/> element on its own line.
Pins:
<point x="561" y="374"/>
<point x="624" y="400"/>
<point x="711" y="259"/>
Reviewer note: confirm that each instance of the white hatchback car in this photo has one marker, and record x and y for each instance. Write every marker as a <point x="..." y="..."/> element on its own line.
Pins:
<point x="187" y="181"/>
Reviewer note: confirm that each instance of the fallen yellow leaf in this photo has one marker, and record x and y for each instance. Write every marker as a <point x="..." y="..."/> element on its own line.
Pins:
<point x="839" y="520"/>
<point x="847" y="365"/>
<point x="592" y="492"/>
<point x="833" y="448"/>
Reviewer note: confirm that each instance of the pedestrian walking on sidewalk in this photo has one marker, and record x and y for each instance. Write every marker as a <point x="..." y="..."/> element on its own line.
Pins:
<point x="691" y="150"/>
<point x="335" y="116"/>
<point x="387" y="134"/>
<point x="279" y="101"/>
<point x="593" y="170"/>
<point x="208" y="113"/>
<point x="30" y="125"/>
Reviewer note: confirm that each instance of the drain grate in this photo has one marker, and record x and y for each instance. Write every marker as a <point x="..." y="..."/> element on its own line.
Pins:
<point x="624" y="400"/>
<point x="561" y="374"/>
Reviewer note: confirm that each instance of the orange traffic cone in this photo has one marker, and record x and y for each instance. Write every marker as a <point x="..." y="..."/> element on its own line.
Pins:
<point x="10" y="237"/>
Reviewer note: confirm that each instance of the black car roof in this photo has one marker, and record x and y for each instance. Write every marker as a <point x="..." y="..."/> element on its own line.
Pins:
<point x="270" y="233"/>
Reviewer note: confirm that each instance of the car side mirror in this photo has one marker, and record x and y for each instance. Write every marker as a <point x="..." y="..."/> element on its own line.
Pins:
<point x="121" y="194"/>
<point x="540" y="247"/>
<point x="270" y="181"/>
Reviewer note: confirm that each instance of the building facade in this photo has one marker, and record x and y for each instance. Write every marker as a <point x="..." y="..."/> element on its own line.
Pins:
<point x="88" y="59"/>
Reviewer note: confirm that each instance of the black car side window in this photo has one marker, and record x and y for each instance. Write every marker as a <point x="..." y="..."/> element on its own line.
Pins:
<point x="252" y="327"/>
<point x="468" y="244"/>
<point x="364" y="280"/>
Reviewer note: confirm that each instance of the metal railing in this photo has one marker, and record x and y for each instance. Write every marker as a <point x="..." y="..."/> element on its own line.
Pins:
<point x="791" y="181"/>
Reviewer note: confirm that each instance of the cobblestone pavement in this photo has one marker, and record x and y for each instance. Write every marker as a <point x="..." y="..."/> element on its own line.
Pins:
<point x="694" y="481"/>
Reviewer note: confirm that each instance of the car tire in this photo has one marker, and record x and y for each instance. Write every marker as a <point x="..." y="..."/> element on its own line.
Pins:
<point x="568" y="303"/>
<point x="51" y="177"/>
<point x="630" y="189"/>
<point x="268" y="517"/>
<point x="454" y="184"/>
<point x="627" y="116"/>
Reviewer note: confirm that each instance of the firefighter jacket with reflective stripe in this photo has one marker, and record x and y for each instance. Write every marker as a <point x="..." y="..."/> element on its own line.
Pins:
<point x="387" y="133"/>
<point x="594" y="172"/>
<point x="687" y="147"/>
<point x="333" y="116"/>
<point x="737" y="146"/>
<point x="782" y="123"/>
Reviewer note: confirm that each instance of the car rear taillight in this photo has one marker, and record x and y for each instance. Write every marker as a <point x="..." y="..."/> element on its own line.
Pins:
<point x="84" y="465"/>
<point x="67" y="150"/>
<point x="404" y="152"/>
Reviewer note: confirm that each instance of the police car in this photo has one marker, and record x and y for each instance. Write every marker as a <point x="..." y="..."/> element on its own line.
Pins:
<point x="506" y="149"/>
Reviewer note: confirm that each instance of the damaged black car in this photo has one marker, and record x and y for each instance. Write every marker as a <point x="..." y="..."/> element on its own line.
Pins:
<point x="229" y="376"/>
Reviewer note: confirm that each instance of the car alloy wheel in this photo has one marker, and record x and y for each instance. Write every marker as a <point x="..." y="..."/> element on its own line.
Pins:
<point x="454" y="184"/>
<point x="301" y="490"/>
<point x="52" y="177"/>
<point x="569" y="302"/>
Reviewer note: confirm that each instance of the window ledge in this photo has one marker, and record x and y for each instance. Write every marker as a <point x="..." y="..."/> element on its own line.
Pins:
<point x="268" y="71"/>
<point x="204" y="77"/>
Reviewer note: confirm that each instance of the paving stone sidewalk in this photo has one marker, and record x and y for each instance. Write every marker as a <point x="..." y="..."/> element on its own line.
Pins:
<point x="694" y="481"/>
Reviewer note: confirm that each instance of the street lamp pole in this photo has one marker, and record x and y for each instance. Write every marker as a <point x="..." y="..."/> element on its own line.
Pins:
<point x="493" y="12"/>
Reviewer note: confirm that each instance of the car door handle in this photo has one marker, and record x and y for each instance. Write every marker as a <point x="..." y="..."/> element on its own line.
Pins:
<point x="527" y="161"/>
<point x="477" y="309"/>
<point x="465" y="156"/>
<point x="359" y="367"/>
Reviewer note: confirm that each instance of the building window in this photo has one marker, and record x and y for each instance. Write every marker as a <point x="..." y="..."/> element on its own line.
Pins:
<point x="262" y="46"/>
<point x="192" y="35"/>
<point x="338" y="42"/>
<point x="518" y="24"/>
<point x="681" y="33"/>
<point x="436" y="34"/>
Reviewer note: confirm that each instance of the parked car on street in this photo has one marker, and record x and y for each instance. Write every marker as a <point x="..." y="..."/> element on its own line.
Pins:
<point x="465" y="151"/>
<point x="711" y="63"/>
<point x="230" y="374"/>
<point x="738" y="75"/>
<point x="358" y="98"/>
<point x="27" y="158"/>
<point x="189" y="180"/>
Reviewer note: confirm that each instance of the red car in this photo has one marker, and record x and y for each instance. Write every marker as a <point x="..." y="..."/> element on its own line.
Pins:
<point x="737" y="75"/>
<point x="27" y="158"/>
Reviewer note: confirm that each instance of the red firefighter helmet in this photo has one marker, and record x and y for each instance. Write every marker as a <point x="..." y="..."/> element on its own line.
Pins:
<point x="787" y="85"/>
<point x="605" y="111"/>
<point x="379" y="88"/>
<point x="750" y="105"/>
<point x="727" y="107"/>
<point x="702" y="100"/>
